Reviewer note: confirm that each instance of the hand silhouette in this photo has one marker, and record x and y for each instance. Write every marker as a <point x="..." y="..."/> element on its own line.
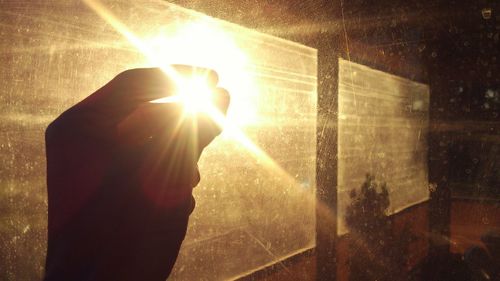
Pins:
<point x="120" y="173"/>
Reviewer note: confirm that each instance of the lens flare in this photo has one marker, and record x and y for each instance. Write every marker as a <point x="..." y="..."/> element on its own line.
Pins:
<point x="201" y="44"/>
<point x="204" y="44"/>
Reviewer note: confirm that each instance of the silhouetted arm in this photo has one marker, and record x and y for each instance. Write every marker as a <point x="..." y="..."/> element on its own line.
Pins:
<point x="120" y="173"/>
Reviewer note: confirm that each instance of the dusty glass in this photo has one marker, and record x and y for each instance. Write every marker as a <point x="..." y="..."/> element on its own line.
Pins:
<point x="255" y="202"/>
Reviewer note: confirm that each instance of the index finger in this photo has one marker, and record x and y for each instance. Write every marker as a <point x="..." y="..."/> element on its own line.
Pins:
<point x="141" y="85"/>
<point x="134" y="87"/>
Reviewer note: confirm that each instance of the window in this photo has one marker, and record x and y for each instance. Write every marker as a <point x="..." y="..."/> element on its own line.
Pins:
<point x="383" y="127"/>
<point x="255" y="203"/>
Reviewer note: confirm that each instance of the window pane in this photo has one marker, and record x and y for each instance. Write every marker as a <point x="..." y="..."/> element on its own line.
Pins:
<point x="383" y="127"/>
<point x="255" y="201"/>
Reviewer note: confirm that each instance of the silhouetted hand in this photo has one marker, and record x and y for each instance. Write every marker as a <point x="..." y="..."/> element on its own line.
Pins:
<point x="120" y="173"/>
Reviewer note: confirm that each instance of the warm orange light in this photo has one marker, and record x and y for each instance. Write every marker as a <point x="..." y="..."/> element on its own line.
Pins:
<point x="205" y="44"/>
<point x="193" y="93"/>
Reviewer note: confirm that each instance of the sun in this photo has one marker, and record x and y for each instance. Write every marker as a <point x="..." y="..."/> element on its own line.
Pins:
<point x="203" y="43"/>
<point x="193" y="94"/>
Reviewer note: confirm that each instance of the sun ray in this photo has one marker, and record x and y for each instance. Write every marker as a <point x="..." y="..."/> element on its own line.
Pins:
<point x="106" y="15"/>
<point x="214" y="113"/>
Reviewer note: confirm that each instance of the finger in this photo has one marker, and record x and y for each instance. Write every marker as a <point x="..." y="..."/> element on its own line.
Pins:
<point x="164" y="121"/>
<point x="209" y="126"/>
<point x="131" y="87"/>
<point x="134" y="87"/>
<point x="221" y="100"/>
<point x="199" y="131"/>
<point x="166" y="152"/>
<point x="172" y="158"/>
<point x="127" y="91"/>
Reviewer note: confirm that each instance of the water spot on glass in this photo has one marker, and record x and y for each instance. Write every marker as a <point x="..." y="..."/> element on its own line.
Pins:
<point x="485" y="220"/>
<point x="486" y="13"/>
<point x="490" y="93"/>
<point x="432" y="187"/>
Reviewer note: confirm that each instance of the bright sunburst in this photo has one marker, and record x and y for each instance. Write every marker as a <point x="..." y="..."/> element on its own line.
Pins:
<point x="193" y="94"/>
<point x="202" y="44"/>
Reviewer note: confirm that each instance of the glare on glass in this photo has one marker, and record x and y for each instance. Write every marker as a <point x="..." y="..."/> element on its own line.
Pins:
<point x="255" y="202"/>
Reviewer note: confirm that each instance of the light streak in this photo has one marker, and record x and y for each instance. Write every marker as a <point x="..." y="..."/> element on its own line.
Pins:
<point x="229" y="127"/>
<point x="193" y="93"/>
<point x="106" y="15"/>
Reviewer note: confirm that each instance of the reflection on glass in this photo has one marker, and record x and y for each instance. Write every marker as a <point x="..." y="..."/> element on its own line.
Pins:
<point x="383" y="127"/>
<point x="255" y="201"/>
